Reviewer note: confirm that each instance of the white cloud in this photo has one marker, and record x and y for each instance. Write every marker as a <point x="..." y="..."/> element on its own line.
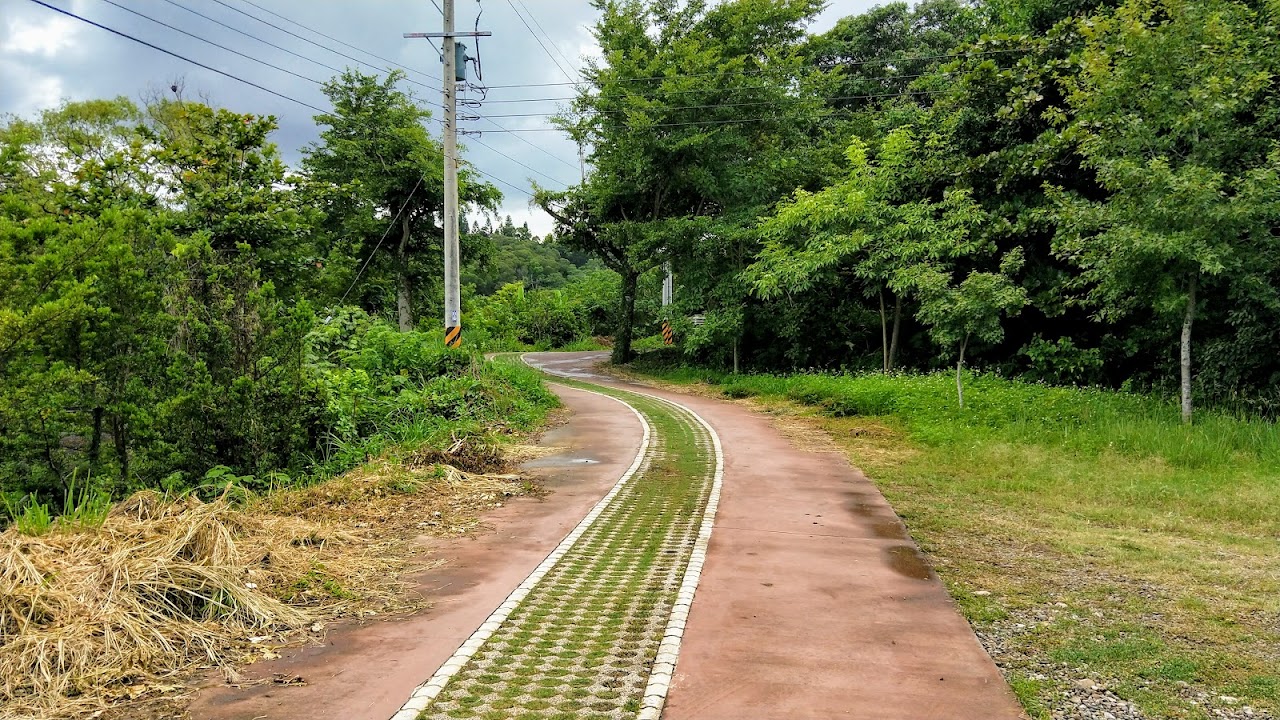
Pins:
<point x="37" y="91"/>
<point x="540" y="223"/>
<point x="46" y="39"/>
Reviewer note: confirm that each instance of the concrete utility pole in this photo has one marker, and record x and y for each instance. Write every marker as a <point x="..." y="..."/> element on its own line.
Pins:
<point x="452" y="287"/>
<point x="453" y="74"/>
<point x="668" y="294"/>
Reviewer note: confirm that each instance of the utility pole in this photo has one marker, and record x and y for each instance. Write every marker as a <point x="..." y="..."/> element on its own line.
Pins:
<point x="668" y="294"/>
<point x="454" y="72"/>
<point x="452" y="288"/>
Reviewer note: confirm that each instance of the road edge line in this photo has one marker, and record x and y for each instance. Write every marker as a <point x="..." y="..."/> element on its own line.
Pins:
<point x="422" y="695"/>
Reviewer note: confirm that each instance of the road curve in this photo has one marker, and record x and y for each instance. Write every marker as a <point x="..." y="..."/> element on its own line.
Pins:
<point x="814" y="602"/>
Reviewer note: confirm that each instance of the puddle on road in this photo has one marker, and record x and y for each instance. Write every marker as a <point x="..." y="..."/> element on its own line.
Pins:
<point x="907" y="561"/>
<point x="874" y="517"/>
<point x="559" y="461"/>
<point x="889" y="529"/>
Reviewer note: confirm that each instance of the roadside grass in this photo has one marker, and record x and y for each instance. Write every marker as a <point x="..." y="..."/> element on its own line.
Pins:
<point x="1086" y="534"/>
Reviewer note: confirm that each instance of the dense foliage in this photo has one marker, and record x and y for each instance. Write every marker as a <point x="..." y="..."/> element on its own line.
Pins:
<point x="1079" y="192"/>
<point x="170" y="299"/>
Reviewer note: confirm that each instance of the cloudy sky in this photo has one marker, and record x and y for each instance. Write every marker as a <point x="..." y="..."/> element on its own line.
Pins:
<point x="47" y="57"/>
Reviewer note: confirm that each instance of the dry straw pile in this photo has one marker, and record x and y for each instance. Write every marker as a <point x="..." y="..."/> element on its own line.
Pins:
<point x="93" y="616"/>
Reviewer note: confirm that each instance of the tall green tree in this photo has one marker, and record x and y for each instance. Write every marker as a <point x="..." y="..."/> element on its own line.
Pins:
<point x="686" y="116"/>
<point x="869" y="231"/>
<point x="1167" y="110"/>
<point x="376" y="143"/>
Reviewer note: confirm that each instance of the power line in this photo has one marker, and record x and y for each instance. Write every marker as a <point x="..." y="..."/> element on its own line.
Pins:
<point x="438" y="9"/>
<point x="265" y="42"/>
<point x="253" y="37"/>
<point x="437" y="105"/>
<point x="658" y="92"/>
<point x="340" y="42"/>
<point x="176" y="55"/>
<point x="545" y="34"/>
<point x="526" y="167"/>
<point x="739" y="121"/>
<point x="322" y="47"/>
<point x="386" y="232"/>
<point x="210" y="42"/>
<point x="513" y="186"/>
<point x="540" y="43"/>
<point x="535" y="146"/>
<point x="712" y="106"/>
<point x="746" y="120"/>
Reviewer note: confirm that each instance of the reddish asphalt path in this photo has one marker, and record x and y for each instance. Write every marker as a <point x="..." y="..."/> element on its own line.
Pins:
<point x="814" y="602"/>
<point x="365" y="672"/>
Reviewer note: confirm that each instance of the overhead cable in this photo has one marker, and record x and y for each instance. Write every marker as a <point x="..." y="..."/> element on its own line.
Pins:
<point x="386" y="232"/>
<point x="253" y="37"/>
<point x="340" y="42"/>
<point x="176" y="55"/>
<point x="526" y="167"/>
<point x="210" y="42"/>
<point x="313" y="42"/>
<point x="762" y="71"/>
<point x="743" y="120"/>
<point x="545" y="34"/>
<point x="540" y="43"/>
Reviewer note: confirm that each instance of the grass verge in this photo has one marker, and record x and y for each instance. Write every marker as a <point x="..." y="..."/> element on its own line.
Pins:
<point x="1085" y="534"/>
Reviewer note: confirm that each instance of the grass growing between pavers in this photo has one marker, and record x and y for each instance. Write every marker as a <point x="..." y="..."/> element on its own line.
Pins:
<point x="582" y="643"/>
<point x="1085" y="534"/>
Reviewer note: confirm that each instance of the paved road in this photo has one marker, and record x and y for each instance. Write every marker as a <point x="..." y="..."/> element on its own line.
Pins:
<point x="814" y="602"/>
<point x="366" y="672"/>
<point x="811" y="600"/>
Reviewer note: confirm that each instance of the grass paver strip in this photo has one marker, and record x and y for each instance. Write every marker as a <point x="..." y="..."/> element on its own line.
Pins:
<point x="582" y="643"/>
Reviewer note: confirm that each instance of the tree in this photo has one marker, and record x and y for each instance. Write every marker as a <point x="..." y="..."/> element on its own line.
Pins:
<point x="672" y="157"/>
<point x="873" y="228"/>
<point x="872" y="56"/>
<point x="970" y="310"/>
<point x="1165" y="117"/>
<point x="376" y="144"/>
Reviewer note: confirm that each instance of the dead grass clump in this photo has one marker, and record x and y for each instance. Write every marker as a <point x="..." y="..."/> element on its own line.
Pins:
<point x="93" y="616"/>
<point x="468" y="455"/>
<point x="86" y="614"/>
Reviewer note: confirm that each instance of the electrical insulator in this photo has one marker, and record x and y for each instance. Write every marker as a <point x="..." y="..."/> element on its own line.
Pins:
<point x="460" y="62"/>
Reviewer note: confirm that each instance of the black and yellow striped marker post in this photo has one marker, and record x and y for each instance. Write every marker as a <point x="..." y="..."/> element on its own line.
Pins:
<point x="453" y="336"/>
<point x="668" y="335"/>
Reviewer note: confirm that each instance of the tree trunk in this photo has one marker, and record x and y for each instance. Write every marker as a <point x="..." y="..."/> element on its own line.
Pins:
<point x="118" y="434"/>
<point x="884" y="335"/>
<point x="1185" y="360"/>
<point x="735" y="356"/>
<point x="404" y="291"/>
<point x="95" y="442"/>
<point x="626" y="324"/>
<point x="959" y="366"/>
<point x="897" y="324"/>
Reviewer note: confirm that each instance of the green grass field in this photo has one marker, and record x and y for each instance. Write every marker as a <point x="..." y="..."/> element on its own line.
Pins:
<point x="1084" y="533"/>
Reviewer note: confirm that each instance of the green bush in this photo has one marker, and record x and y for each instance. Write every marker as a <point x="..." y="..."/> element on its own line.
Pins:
<point x="357" y="387"/>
